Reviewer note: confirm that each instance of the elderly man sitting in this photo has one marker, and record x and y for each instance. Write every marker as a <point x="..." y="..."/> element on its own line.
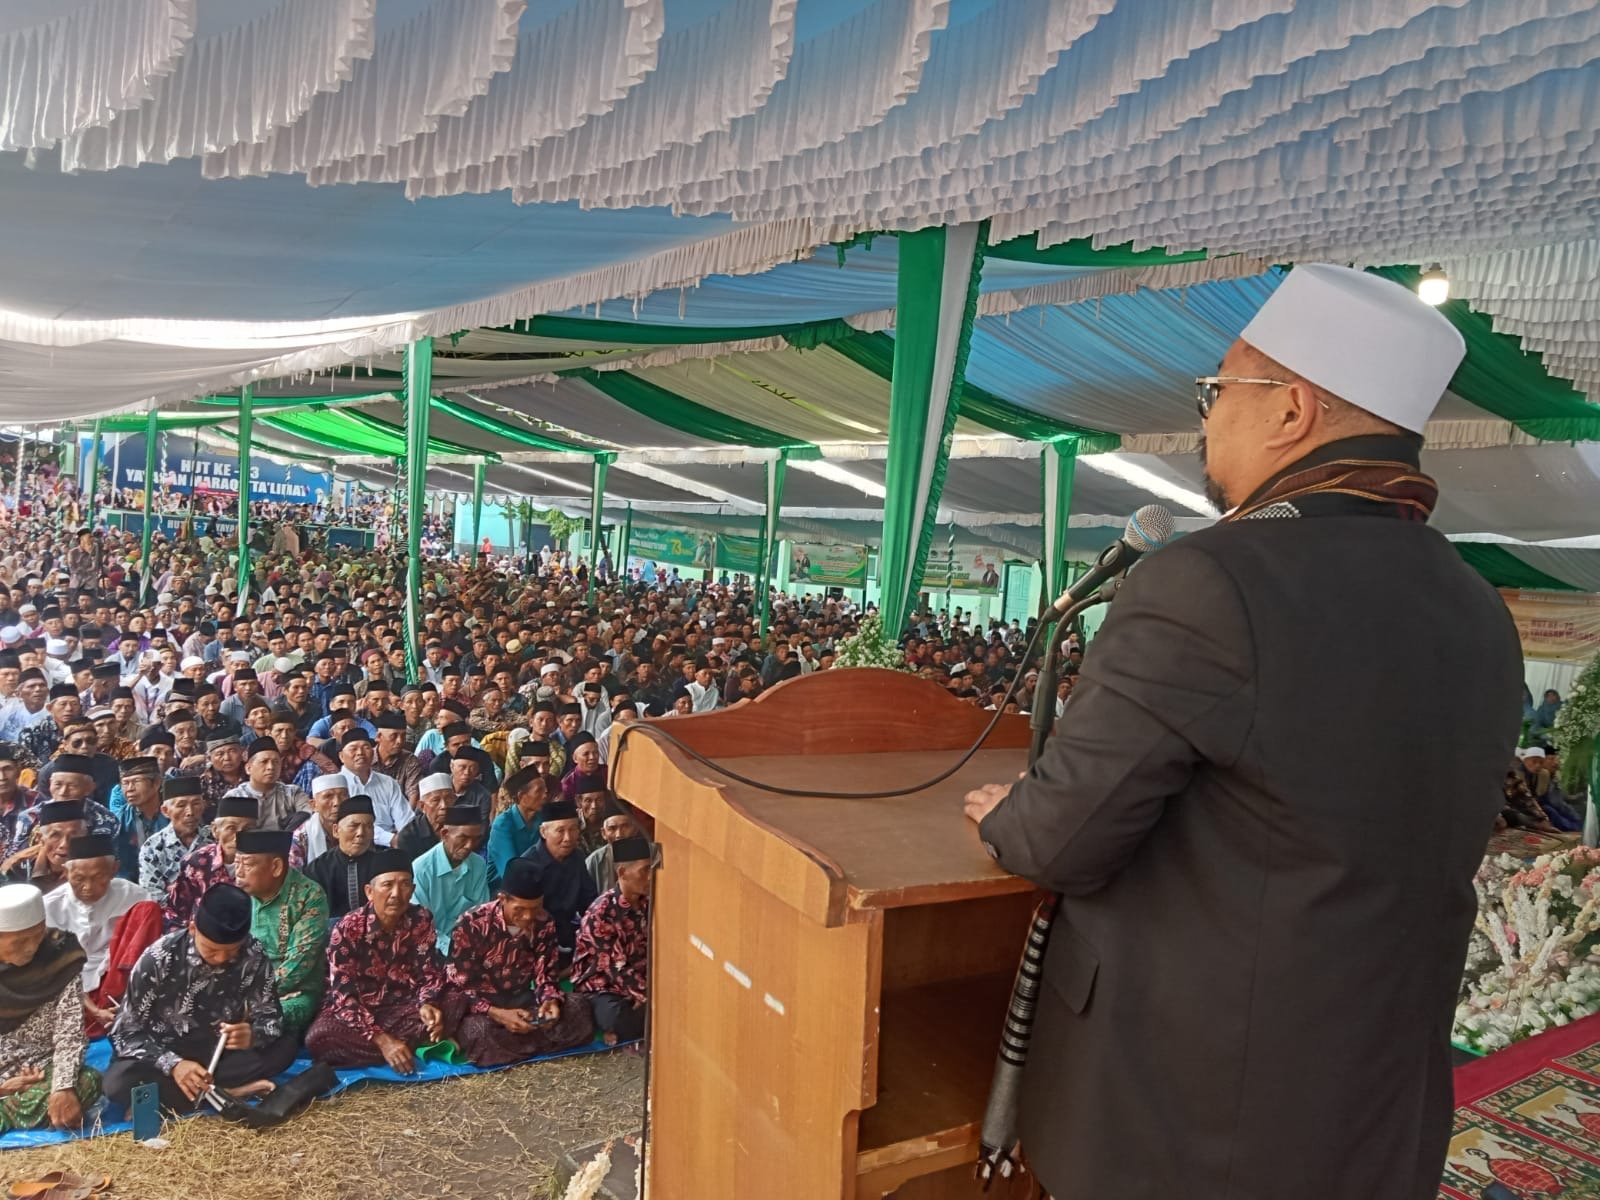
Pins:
<point x="313" y="837"/>
<point x="614" y="946"/>
<point x="452" y="877"/>
<point x="422" y="833"/>
<point x="505" y="960"/>
<point x="207" y="982"/>
<point x="42" y="1076"/>
<point x="113" y="920"/>
<point x="344" y="871"/>
<point x="290" y="921"/>
<point x="210" y="865"/>
<point x="161" y="857"/>
<point x="568" y="890"/>
<point x="278" y="804"/>
<point x="387" y="991"/>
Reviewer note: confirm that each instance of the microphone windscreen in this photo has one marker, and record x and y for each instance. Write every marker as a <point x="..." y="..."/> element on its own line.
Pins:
<point x="1148" y="528"/>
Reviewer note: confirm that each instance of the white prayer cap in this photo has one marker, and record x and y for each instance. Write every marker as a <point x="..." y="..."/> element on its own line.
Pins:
<point x="57" y="647"/>
<point x="550" y="668"/>
<point x="239" y="656"/>
<point x="1531" y="752"/>
<point x="21" y="907"/>
<point x="280" y="665"/>
<point x="1367" y="340"/>
<point x="438" y="782"/>
<point x="194" y="660"/>
<point x="323" y="783"/>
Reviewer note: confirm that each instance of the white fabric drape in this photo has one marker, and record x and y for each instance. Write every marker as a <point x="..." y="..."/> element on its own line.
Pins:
<point x="71" y="65"/>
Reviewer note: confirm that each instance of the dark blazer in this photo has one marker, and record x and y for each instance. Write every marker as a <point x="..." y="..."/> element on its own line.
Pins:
<point x="1264" y="809"/>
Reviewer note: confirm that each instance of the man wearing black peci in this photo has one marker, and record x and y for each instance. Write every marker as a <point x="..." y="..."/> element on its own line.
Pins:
<point x="1250" y="986"/>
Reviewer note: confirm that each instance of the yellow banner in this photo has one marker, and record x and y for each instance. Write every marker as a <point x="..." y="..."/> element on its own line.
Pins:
<point x="1556" y="626"/>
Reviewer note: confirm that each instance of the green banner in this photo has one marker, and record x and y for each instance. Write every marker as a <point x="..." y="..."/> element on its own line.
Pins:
<point x="741" y="554"/>
<point x="678" y="547"/>
<point x="973" y="569"/>
<point x="828" y="564"/>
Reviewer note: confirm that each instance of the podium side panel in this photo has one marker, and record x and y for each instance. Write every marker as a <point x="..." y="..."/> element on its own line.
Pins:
<point x="763" y="1037"/>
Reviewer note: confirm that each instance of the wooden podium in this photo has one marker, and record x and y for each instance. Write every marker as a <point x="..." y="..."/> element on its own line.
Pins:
<point x="830" y="976"/>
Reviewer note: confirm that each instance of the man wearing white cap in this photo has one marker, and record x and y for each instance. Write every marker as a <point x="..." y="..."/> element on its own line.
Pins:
<point x="42" y="1076"/>
<point x="1249" y="990"/>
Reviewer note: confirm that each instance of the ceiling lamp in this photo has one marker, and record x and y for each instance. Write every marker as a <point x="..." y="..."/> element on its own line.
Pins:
<point x="1434" y="286"/>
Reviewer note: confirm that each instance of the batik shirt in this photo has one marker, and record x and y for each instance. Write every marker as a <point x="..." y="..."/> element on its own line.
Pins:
<point x="134" y="829"/>
<point x="370" y="967"/>
<point x="201" y="871"/>
<point x="96" y="815"/>
<point x="161" y="858"/>
<point x="488" y="961"/>
<point x="612" y="940"/>
<point x="25" y="799"/>
<point x="51" y="1037"/>
<point x="174" y="994"/>
<point x="292" y="928"/>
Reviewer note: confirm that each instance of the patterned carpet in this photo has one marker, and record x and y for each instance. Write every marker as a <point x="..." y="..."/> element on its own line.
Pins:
<point x="1529" y="1118"/>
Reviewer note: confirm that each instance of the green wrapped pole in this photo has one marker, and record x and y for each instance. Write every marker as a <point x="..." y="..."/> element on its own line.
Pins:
<point x="94" y="474"/>
<point x="479" y="470"/>
<point x="597" y="501"/>
<point x="246" y="432"/>
<point x="625" y="543"/>
<point x="419" y="383"/>
<point x="1060" y="468"/>
<point x="151" y="432"/>
<point x="936" y="301"/>
<point x="777" y="468"/>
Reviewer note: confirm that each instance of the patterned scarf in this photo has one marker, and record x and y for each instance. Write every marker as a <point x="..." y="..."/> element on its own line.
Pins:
<point x="25" y="990"/>
<point x="1362" y="476"/>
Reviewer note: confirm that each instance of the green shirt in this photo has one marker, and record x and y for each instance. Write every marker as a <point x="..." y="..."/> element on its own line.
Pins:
<point x="293" y="929"/>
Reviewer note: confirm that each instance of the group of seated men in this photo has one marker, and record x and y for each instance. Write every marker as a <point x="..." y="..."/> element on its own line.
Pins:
<point x="274" y="921"/>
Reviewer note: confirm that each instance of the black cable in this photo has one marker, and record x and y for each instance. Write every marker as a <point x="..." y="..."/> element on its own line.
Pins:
<point x="656" y="730"/>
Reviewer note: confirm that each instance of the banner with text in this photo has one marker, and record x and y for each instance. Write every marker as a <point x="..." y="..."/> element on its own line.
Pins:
<point x="972" y="569"/>
<point x="678" y="547"/>
<point x="186" y="467"/>
<point x="828" y="564"/>
<point x="1556" y="626"/>
<point x="741" y="555"/>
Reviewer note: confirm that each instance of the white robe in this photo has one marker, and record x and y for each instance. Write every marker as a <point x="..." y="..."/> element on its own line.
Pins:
<point x="92" y="924"/>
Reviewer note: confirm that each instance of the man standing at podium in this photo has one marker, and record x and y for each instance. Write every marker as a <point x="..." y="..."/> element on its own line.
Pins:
<point x="1267" y="874"/>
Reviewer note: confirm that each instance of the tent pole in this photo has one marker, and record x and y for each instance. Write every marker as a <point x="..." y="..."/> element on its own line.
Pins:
<point x="247" y="421"/>
<point x="479" y="470"/>
<point x="777" y="468"/>
<point x="936" y="299"/>
<point x="597" y="499"/>
<point x="419" y="387"/>
<point x="151" y="432"/>
<point x="16" y="484"/>
<point x="625" y="543"/>
<point x="94" y="475"/>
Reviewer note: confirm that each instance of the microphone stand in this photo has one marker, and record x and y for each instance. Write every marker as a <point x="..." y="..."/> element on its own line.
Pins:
<point x="998" y="1137"/>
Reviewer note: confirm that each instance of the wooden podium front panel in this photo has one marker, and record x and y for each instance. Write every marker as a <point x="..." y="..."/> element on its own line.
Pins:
<point x="761" y="1037"/>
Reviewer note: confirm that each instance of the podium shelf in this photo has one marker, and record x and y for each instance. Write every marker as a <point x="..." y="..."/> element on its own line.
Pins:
<point x="936" y="1050"/>
<point x="916" y="849"/>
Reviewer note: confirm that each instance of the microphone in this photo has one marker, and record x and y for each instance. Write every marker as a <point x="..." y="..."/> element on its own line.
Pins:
<point x="1148" y="529"/>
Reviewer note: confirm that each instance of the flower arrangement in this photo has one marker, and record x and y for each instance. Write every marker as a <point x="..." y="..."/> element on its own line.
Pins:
<point x="870" y="647"/>
<point x="1577" y="724"/>
<point x="1529" y="962"/>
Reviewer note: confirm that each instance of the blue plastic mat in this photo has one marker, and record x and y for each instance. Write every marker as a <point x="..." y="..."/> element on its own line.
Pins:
<point x="99" y="1057"/>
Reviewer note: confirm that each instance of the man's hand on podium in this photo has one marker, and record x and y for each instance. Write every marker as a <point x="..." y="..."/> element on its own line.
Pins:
<point x="980" y="802"/>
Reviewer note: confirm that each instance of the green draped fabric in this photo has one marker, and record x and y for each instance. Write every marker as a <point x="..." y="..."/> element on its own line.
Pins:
<point x="1081" y="252"/>
<point x="875" y="353"/>
<point x="150" y="430"/>
<point x="479" y="469"/>
<point x="1504" y="569"/>
<point x="1499" y="376"/>
<point x="669" y="408"/>
<point x="359" y="433"/>
<point x="597" y="508"/>
<point x="504" y="429"/>
<point x="933" y="332"/>
<point x="627" y="333"/>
